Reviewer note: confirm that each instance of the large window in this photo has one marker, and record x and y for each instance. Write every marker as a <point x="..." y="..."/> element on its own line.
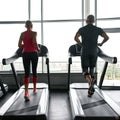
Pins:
<point x="56" y="22"/>
<point x="108" y="8"/>
<point x="35" y="10"/>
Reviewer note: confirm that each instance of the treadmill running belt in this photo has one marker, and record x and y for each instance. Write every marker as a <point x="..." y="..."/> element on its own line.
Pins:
<point x="95" y="105"/>
<point x="20" y="107"/>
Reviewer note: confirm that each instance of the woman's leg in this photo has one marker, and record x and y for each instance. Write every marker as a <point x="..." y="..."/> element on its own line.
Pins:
<point x="34" y="79"/>
<point x="34" y="70"/>
<point x="26" y="64"/>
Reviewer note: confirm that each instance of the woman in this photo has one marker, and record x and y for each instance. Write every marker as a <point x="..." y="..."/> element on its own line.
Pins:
<point x="28" y="42"/>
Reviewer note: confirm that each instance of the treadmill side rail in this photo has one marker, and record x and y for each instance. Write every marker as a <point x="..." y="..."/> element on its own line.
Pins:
<point x="77" y="109"/>
<point x="109" y="101"/>
<point x="6" y="106"/>
<point x="43" y="104"/>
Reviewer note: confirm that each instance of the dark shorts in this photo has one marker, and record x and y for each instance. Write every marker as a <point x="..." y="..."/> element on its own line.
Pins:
<point x="88" y="61"/>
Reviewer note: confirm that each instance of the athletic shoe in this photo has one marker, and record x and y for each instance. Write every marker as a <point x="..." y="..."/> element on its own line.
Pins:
<point x="91" y="89"/>
<point x="26" y="97"/>
<point x="34" y="90"/>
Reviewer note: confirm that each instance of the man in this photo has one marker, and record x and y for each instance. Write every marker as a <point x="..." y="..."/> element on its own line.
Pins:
<point x="89" y="43"/>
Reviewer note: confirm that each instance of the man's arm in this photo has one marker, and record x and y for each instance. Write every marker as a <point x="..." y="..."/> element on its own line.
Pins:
<point x="76" y="38"/>
<point x="105" y="36"/>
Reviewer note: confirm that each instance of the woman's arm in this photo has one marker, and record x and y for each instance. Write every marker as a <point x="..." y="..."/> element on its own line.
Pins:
<point x="35" y="40"/>
<point x="20" y="42"/>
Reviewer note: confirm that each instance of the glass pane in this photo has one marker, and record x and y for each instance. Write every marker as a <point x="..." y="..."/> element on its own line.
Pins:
<point x="112" y="76"/>
<point x="62" y="9"/>
<point x="92" y="7"/>
<point x="111" y="47"/>
<point x="109" y="23"/>
<point x="13" y="10"/>
<point x="35" y="9"/>
<point x="108" y="8"/>
<point x="58" y="37"/>
<point x="10" y="36"/>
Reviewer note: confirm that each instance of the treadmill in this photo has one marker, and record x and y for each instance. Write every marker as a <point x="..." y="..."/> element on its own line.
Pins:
<point x="37" y="108"/>
<point x="99" y="106"/>
<point x="3" y="88"/>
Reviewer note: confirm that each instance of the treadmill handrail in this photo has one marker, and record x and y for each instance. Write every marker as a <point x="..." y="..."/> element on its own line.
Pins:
<point x="106" y="58"/>
<point x="75" y="50"/>
<point x="42" y="53"/>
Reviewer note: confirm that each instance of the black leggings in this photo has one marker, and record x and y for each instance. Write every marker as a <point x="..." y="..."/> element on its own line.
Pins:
<point x="30" y="57"/>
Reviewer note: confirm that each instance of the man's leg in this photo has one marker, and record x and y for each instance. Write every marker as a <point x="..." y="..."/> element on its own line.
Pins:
<point x="85" y="64"/>
<point x="87" y="75"/>
<point x="91" y="89"/>
<point x="93" y="59"/>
